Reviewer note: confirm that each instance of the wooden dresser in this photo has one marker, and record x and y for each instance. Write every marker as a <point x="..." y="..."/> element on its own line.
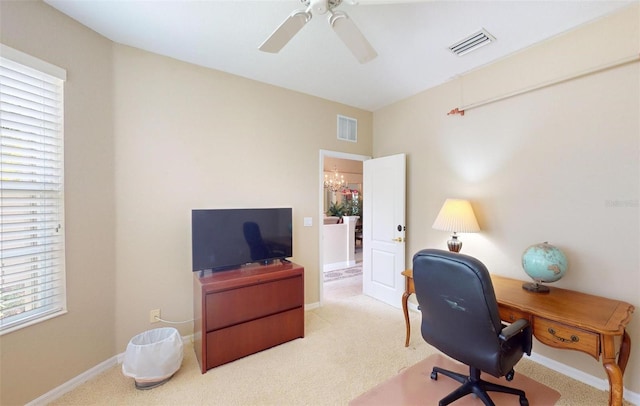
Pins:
<point x="242" y="311"/>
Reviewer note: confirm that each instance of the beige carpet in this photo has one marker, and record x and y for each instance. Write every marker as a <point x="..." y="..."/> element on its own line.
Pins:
<point x="413" y="386"/>
<point x="351" y="344"/>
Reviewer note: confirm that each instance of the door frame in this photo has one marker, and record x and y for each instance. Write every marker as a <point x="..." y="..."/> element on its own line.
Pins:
<point x="327" y="154"/>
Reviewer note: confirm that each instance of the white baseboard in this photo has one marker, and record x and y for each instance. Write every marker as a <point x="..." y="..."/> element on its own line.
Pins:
<point x="86" y="376"/>
<point x="632" y="397"/>
<point x="74" y="383"/>
<point x="338" y="265"/>
<point x="598" y="383"/>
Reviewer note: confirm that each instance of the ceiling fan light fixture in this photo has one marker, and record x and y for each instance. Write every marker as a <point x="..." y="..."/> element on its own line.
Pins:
<point x="472" y="42"/>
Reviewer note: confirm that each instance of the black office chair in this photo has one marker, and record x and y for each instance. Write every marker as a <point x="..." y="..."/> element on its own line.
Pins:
<point x="460" y="318"/>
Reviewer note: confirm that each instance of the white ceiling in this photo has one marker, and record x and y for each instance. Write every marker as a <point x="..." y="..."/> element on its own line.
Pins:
<point x="411" y="38"/>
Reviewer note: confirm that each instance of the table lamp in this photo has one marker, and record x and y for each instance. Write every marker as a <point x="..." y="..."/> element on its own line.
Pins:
<point x="456" y="215"/>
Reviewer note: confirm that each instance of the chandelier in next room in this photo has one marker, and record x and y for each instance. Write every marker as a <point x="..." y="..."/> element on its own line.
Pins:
<point x="336" y="182"/>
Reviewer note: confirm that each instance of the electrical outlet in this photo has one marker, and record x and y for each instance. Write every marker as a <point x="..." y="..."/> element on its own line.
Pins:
<point x="153" y="314"/>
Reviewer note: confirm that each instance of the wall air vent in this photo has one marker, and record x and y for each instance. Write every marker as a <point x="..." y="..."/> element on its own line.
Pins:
<point x="472" y="42"/>
<point x="347" y="129"/>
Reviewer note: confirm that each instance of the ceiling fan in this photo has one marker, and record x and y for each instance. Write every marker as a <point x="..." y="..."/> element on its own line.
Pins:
<point x="338" y="20"/>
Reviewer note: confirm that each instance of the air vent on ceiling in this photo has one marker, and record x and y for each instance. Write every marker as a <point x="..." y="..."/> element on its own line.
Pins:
<point x="347" y="129"/>
<point x="473" y="41"/>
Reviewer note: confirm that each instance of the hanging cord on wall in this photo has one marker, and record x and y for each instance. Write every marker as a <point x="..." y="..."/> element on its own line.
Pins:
<point x="173" y="322"/>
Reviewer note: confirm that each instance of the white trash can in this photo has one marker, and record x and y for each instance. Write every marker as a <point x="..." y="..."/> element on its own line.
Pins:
<point x="152" y="357"/>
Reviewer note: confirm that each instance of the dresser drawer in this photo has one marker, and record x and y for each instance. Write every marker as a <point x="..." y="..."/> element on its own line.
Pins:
<point x="228" y="344"/>
<point x="510" y="315"/>
<point x="562" y="336"/>
<point x="235" y="306"/>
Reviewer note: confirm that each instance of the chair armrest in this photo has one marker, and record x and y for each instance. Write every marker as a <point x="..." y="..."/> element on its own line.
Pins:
<point x="514" y="328"/>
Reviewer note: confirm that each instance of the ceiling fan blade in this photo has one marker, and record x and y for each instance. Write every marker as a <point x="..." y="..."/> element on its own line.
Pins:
<point x="373" y="2"/>
<point x="352" y="37"/>
<point x="287" y="30"/>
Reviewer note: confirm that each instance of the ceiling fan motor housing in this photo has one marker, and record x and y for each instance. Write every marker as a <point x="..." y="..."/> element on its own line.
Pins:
<point x="341" y="24"/>
<point x="321" y="6"/>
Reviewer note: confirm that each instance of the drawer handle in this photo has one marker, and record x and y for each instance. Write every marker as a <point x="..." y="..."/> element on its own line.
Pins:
<point x="573" y="339"/>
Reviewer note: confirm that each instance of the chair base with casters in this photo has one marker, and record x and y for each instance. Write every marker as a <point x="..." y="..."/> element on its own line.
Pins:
<point x="474" y="384"/>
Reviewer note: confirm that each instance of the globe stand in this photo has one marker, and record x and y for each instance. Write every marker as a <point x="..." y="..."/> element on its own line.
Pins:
<point x="535" y="287"/>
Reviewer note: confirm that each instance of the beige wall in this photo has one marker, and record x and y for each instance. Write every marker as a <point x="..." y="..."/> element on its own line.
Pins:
<point x="188" y="137"/>
<point x="36" y="359"/>
<point x="560" y="164"/>
<point x="149" y="138"/>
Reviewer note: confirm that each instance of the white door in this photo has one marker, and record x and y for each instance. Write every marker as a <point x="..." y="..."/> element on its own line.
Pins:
<point x="383" y="228"/>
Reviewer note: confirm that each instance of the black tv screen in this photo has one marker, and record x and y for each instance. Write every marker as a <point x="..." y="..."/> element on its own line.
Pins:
<point x="227" y="238"/>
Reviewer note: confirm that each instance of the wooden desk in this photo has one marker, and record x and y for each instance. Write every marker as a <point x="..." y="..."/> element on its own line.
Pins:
<point x="591" y="326"/>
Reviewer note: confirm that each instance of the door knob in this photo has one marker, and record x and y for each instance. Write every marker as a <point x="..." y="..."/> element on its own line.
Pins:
<point x="399" y="239"/>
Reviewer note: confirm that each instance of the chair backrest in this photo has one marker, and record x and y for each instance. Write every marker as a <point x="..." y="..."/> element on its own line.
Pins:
<point x="459" y="308"/>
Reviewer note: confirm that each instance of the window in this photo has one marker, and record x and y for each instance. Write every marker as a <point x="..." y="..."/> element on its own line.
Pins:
<point x="32" y="274"/>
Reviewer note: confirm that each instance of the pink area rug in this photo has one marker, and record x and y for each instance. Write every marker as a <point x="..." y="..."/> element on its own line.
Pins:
<point x="413" y="386"/>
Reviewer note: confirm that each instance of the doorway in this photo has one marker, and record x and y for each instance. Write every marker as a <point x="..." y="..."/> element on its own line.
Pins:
<point x="340" y="261"/>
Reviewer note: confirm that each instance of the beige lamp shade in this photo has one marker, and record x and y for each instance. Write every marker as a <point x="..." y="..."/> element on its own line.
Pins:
<point x="456" y="215"/>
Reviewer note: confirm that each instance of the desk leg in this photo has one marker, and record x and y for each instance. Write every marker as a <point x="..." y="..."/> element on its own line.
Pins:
<point x="614" y="371"/>
<point x="405" y="309"/>
<point x="625" y="349"/>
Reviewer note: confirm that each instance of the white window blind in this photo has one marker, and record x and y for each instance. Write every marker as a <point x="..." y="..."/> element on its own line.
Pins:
<point x="32" y="278"/>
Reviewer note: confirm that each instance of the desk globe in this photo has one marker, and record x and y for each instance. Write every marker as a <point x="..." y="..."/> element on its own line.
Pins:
<point x="544" y="263"/>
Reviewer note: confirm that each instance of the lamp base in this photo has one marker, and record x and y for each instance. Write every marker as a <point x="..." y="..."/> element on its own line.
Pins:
<point x="454" y="244"/>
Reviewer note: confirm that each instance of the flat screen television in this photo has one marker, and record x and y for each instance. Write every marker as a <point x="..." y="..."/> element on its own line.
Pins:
<point x="228" y="238"/>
